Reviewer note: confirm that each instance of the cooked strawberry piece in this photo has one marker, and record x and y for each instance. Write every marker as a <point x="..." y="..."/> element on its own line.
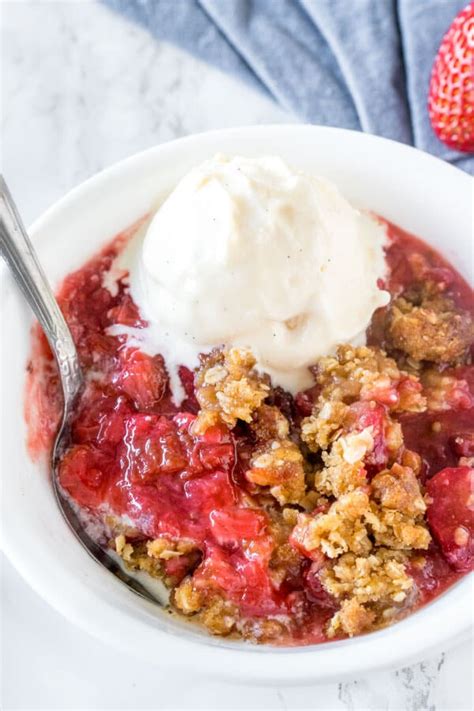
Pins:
<point x="431" y="572"/>
<point x="112" y="426"/>
<point x="451" y="515"/>
<point x="208" y="492"/>
<point x="142" y="377"/>
<point x="99" y="351"/>
<point x="243" y="578"/>
<point x="126" y="313"/>
<point x="184" y="422"/>
<point x="213" y="450"/>
<point x="213" y="455"/>
<point x="83" y="473"/>
<point x="232" y="527"/>
<point x="172" y="505"/>
<point x="259" y="597"/>
<point x="101" y="416"/>
<point x="151" y="447"/>
<point x="217" y="571"/>
<point x="86" y="302"/>
<point x="187" y="380"/>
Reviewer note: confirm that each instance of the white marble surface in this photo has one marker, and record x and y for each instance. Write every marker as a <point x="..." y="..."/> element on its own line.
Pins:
<point x="82" y="88"/>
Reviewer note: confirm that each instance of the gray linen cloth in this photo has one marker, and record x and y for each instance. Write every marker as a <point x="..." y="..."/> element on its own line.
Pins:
<point x="360" y="64"/>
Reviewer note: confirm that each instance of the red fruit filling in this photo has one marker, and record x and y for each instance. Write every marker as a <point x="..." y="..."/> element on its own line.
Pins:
<point x="135" y="458"/>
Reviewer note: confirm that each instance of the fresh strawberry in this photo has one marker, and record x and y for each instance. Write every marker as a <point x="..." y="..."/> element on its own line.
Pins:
<point x="451" y="96"/>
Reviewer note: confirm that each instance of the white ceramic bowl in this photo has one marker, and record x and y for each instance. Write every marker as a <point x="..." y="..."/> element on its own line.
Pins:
<point x="418" y="192"/>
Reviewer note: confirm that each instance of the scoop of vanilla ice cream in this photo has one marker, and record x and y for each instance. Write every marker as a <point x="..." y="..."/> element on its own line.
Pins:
<point x="248" y="252"/>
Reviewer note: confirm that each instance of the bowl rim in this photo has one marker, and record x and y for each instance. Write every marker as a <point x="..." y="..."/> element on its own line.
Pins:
<point x="402" y="643"/>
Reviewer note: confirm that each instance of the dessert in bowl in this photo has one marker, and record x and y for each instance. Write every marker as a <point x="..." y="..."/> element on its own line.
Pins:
<point x="276" y="387"/>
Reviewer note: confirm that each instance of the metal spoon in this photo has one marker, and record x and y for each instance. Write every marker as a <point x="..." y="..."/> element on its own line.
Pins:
<point x="18" y="252"/>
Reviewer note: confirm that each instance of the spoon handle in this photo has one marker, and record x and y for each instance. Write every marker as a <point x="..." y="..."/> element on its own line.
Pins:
<point x="18" y="252"/>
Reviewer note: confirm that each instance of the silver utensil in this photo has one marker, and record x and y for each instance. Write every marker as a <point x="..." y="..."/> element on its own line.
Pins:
<point x="18" y="252"/>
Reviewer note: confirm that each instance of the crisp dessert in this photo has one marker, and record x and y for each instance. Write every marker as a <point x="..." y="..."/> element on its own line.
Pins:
<point x="278" y="417"/>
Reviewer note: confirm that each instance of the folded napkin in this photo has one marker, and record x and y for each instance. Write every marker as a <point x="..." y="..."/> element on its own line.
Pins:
<point x="360" y="64"/>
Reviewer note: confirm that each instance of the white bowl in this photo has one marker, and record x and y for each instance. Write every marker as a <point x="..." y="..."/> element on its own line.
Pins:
<point x="418" y="192"/>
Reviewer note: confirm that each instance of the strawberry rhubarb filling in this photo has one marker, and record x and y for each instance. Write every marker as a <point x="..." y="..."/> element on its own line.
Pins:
<point x="275" y="514"/>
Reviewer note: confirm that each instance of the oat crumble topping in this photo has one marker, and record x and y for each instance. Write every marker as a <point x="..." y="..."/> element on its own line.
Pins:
<point x="277" y="461"/>
<point x="429" y="328"/>
<point x="228" y="388"/>
<point x="367" y="519"/>
<point x="364" y="526"/>
<point x="270" y="516"/>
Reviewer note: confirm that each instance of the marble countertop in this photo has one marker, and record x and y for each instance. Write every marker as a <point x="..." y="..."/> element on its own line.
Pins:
<point x="81" y="89"/>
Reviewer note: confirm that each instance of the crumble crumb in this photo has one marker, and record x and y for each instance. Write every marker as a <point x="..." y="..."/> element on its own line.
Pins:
<point x="150" y="555"/>
<point x="392" y="514"/>
<point x="290" y="515"/>
<point x="228" y="388"/>
<point x="371" y="589"/>
<point x="411" y="459"/>
<point x="313" y="499"/>
<point x="136" y="557"/>
<point x="366" y="373"/>
<point x="278" y="461"/>
<point x="338" y="531"/>
<point x="218" y="615"/>
<point x="358" y="385"/>
<point x="380" y="576"/>
<point x="166" y="549"/>
<point x="318" y="431"/>
<point x="461" y="536"/>
<point x="123" y="548"/>
<point x="358" y="374"/>
<point x="398" y="488"/>
<point x="352" y="619"/>
<point x="285" y="561"/>
<point x="343" y="465"/>
<point x="429" y="328"/>
<point x="263" y="630"/>
<point x="397" y="530"/>
<point x="187" y="598"/>
<point x="269" y="423"/>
